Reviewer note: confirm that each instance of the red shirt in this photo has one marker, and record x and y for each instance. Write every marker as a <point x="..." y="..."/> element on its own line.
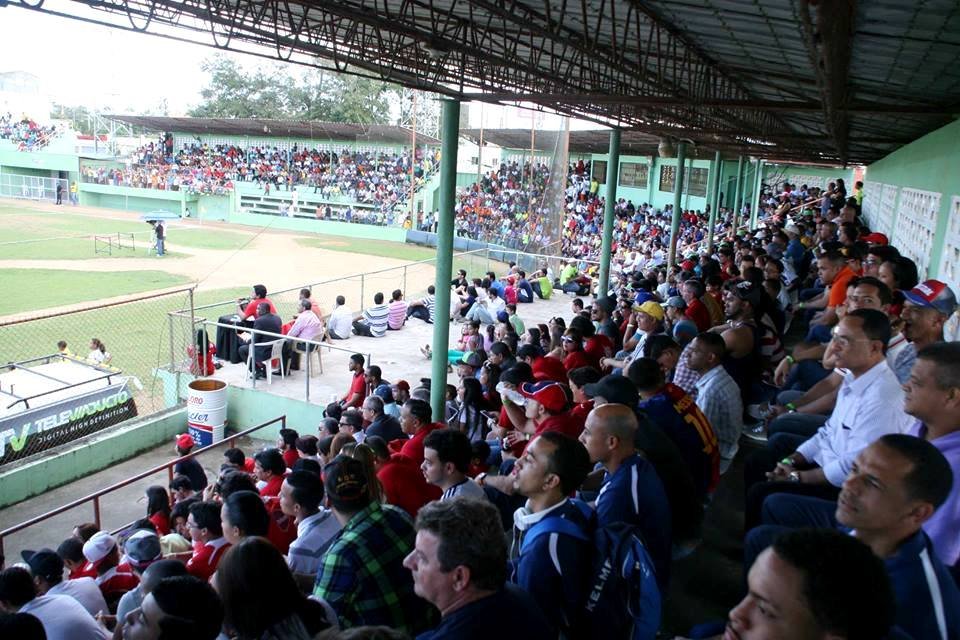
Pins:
<point x="204" y="562"/>
<point x="579" y="413"/>
<point x="548" y="368"/>
<point x="357" y="385"/>
<point x="598" y="346"/>
<point x="290" y="457"/>
<point x="250" y="311"/>
<point x="83" y="571"/>
<point x="404" y="485"/>
<point x="697" y="311"/>
<point x="272" y="488"/>
<point x="413" y="448"/>
<point x="577" y="359"/>
<point x="117" y="581"/>
<point x="162" y="522"/>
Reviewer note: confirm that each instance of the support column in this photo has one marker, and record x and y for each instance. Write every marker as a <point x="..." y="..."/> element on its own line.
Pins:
<point x="755" y="197"/>
<point x="677" y="196"/>
<point x="714" y="198"/>
<point x="613" y="174"/>
<point x="736" y="197"/>
<point x="444" y="267"/>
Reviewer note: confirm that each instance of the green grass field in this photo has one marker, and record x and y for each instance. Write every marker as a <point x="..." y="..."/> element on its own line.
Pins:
<point x="63" y="287"/>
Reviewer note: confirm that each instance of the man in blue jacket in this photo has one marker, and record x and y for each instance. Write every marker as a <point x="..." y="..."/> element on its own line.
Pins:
<point x="553" y="567"/>
<point x="895" y="485"/>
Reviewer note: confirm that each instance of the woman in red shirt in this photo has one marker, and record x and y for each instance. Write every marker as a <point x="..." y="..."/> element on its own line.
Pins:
<point x="158" y="509"/>
<point x="574" y="355"/>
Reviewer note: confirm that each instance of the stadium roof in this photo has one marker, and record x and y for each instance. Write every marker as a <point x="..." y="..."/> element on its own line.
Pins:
<point x="815" y="80"/>
<point x="633" y="143"/>
<point x="313" y="130"/>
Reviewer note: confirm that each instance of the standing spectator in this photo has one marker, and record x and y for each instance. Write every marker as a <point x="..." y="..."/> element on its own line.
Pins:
<point x="205" y="527"/>
<point x="362" y="575"/>
<point x="397" y="312"/>
<point x="189" y="467"/>
<point x="717" y="393"/>
<point x="59" y="192"/>
<point x="160" y="232"/>
<point x="447" y="454"/>
<point x="341" y="321"/>
<point x="373" y="324"/>
<point x="458" y="566"/>
<point x="301" y="497"/>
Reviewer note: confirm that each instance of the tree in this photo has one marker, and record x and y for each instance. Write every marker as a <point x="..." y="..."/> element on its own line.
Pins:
<point x="274" y="93"/>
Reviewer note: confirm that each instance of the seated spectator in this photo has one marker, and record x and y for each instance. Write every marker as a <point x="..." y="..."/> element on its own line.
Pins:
<point x="98" y="353"/>
<point x="269" y="468"/>
<point x="47" y="570"/>
<point x="362" y="575"/>
<point x="261" y="598"/>
<point x="401" y="479"/>
<point x="340" y="323"/>
<point x="113" y="578"/>
<point x="373" y="323"/>
<point x="397" y="311"/>
<point x="189" y="467"/>
<point x="287" y="444"/>
<point x="869" y="405"/>
<point x="177" y="607"/>
<point x="351" y="424"/>
<point x="632" y="492"/>
<point x="205" y="528"/>
<point x="447" y="454"/>
<point x="301" y="498"/>
<point x="380" y="424"/>
<point x="307" y="326"/>
<point x="149" y="578"/>
<point x="425" y="308"/>
<point x="681" y="419"/>
<point x="554" y="567"/>
<point x="243" y="515"/>
<point x="21" y="625"/>
<point x="307" y="449"/>
<point x="358" y="384"/>
<point x="269" y="322"/>
<point x="894" y="487"/>
<point x="71" y="552"/>
<point x="251" y="309"/>
<point x="459" y="566"/>
<point x="62" y="617"/>
<point x="821" y="584"/>
<point x="416" y="422"/>
<point x="158" y="509"/>
<point x="718" y="396"/>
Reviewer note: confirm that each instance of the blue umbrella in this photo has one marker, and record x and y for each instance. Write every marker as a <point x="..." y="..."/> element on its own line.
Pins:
<point x="159" y="215"/>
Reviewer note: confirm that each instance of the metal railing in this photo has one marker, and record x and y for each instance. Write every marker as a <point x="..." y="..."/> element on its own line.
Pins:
<point x="96" y="495"/>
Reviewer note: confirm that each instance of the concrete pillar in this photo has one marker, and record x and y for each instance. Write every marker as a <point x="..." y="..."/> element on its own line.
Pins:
<point x="677" y="196"/>
<point x="737" y="194"/>
<point x="755" y="198"/>
<point x="613" y="175"/>
<point x="714" y="197"/>
<point x="444" y="267"/>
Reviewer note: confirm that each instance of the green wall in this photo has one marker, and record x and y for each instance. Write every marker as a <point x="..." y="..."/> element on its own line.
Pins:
<point x="370" y="232"/>
<point x="799" y="175"/>
<point x="14" y="161"/>
<point x="89" y="455"/>
<point x="929" y="164"/>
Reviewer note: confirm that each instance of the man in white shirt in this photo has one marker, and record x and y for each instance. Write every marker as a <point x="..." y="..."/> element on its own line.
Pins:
<point x="47" y="569"/>
<point x="62" y="617"/>
<point x="869" y="405"/>
<point x="446" y="457"/>
<point x="340" y="323"/>
<point x="486" y="310"/>
<point x="301" y="497"/>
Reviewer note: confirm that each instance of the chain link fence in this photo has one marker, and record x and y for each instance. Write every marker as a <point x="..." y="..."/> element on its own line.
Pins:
<point x="81" y="370"/>
<point x="14" y="185"/>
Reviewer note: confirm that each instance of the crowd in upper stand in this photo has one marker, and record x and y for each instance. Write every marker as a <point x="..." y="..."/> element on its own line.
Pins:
<point x="378" y="178"/>
<point x="24" y="132"/>
<point x="598" y="435"/>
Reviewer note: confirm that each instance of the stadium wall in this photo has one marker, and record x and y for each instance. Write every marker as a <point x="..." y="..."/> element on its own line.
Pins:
<point x="913" y="196"/>
<point x="799" y="175"/>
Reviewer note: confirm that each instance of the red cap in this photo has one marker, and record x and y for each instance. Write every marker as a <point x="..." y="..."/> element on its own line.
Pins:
<point x="403" y="384"/>
<point x="550" y="394"/>
<point x="547" y="368"/>
<point x="875" y="238"/>
<point x="185" y="441"/>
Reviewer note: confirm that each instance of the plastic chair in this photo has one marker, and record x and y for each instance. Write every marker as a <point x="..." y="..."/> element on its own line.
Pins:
<point x="276" y="353"/>
<point x="307" y="354"/>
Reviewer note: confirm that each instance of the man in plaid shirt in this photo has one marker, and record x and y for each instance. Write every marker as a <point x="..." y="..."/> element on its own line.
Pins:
<point x="362" y="575"/>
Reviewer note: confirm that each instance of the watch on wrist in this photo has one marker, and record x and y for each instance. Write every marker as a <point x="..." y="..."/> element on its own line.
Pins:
<point x="787" y="462"/>
<point x="794" y="476"/>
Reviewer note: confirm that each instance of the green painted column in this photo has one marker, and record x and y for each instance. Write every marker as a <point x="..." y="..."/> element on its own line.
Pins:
<point x="755" y="196"/>
<point x="714" y="198"/>
<point x="449" y="135"/>
<point x="613" y="175"/>
<point x="737" y="193"/>
<point x="677" y="196"/>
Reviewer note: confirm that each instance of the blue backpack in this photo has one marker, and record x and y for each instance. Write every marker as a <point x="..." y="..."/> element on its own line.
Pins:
<point x="623" y="601"/>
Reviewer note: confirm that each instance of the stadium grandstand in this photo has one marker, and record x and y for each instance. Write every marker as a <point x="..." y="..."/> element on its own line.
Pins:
<point x="687" y="371"/>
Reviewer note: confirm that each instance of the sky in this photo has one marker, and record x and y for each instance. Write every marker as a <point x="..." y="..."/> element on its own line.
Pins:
<point x="116" y="71"/>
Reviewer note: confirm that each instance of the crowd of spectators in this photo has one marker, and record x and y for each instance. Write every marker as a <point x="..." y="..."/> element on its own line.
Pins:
<point x="24" y="132"/>
<point x="601" y="434"/>
<point x="366" y="177"/>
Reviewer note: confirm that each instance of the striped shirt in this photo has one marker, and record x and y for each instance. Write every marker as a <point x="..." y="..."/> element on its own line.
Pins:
<point x="430" y="302"/>
<point x="376" y="319"/>
<point x="718" y="396"/>
<point x="466" y="488"/>
<point x="397" y="315"/>
<point x="314" y="535"/>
